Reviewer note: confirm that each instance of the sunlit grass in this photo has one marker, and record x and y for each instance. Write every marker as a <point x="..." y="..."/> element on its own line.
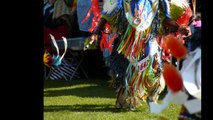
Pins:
<point x="92" y="100"/>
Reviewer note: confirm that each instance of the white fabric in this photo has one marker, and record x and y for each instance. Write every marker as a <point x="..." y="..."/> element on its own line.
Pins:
<point x="179" y="97"/>
<point x="192" y="84"/>
<point x="193" y="105"/>
<point x="180" y="3"/>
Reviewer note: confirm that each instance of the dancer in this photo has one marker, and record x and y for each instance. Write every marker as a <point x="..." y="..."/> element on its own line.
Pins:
<point x="129" y="30"/>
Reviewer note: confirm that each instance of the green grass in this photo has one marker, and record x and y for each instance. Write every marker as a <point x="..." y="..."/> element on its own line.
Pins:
<point x="92" y="100"/>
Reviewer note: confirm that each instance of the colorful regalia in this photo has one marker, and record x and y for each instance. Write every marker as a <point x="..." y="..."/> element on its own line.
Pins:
<point x="136" y="56"/>
<point x="130" y="48"/>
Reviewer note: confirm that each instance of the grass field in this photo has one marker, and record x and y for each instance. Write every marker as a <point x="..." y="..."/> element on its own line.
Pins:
<point x="92" y="99"/>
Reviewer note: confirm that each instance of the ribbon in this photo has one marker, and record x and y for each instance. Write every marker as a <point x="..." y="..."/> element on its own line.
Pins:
<point x="107" y="39"/>
<point x="96" y="13"/>
<point x="56" y="58"/>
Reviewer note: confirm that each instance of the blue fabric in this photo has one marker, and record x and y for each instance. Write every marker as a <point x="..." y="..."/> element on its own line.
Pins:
<point x="83" y="7"/>
<point x="106" y="53"/>
<point x="47" y="9"/>
<point x="132" y="4"/>
<point x="166" y="8"/>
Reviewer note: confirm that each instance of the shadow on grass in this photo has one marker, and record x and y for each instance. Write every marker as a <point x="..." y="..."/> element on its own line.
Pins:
<point x="101" y="90"/>
<point x="84" y="108"/>
<point x="63" y="83"/>
<point x="89" y="91"/>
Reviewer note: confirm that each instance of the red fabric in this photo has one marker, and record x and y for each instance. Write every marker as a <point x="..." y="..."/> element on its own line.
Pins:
<point x="172" y="77"/>
<point x="96" y="12"/>
<point x="104" y="43"/>
<point x="57" y="33"/>
<point x="184" y="19"/>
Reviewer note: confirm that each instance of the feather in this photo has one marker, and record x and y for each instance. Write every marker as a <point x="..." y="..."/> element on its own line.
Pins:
<point x="172" y="77"/>
<point x="65" y="48"/>
<point x="177" y="49"/>
<point x="54" y="43"/>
